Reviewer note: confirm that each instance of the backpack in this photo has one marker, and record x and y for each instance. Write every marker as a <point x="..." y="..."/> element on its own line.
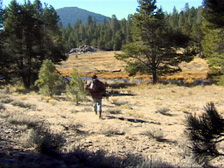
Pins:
<point x="102" y="88"/>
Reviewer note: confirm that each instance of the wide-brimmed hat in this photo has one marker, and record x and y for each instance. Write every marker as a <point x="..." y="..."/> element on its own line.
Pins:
<point x="94" y="77"/>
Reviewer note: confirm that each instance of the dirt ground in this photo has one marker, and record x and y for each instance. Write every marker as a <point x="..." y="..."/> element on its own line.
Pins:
<point x="143" y="120"/>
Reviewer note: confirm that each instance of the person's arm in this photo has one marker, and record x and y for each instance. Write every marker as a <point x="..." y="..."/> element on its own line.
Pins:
<point x="93" y="87"/>
<point x="87" y="86"/>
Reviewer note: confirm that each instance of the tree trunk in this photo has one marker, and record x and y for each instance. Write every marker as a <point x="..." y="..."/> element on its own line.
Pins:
<point x="154" y="71"/>
<point x="154" y="77"/>
<point x="26" y="81"/>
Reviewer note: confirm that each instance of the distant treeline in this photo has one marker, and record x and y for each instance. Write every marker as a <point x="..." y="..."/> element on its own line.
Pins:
<point x="113" y="34"/>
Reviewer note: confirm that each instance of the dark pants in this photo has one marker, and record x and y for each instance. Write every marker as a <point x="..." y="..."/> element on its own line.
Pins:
<point x="97" y="104"/>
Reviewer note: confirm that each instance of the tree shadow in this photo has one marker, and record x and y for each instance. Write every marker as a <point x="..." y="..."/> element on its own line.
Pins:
<point x="120" y="85"/>
<point x="78" y="157"/>
<point x="134" y="120"/>
<point x="117" y="93"/>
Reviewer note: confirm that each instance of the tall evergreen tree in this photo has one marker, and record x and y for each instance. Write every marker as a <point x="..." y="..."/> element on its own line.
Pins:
<point x="210" y="44"/>
<point x="3" y="56"/>
<point x="32" y="35"/>
<point x="214" y="12"/>
<point x="175" y="18"/>
<point x="213" y="42"/>
<point x="1" y="14"/>
<point x="153" y="50"/>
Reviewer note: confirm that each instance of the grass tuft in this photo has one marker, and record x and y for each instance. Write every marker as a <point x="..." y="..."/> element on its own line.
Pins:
<point x="164" y="111"/>
<point x="156" y="134"/>
<point x="23" y="105"/>
<point x="21" y="119"/>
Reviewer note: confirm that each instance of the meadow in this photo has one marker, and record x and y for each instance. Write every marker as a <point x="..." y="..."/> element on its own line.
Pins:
<point x="142" y="125"/>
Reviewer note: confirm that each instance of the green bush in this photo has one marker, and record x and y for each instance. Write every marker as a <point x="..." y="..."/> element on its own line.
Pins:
<point x="48" y="79"/>
<point x="75" y="90"/>
<point x="221" y="80"/>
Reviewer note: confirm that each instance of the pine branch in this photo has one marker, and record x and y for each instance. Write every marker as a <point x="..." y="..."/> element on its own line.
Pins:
<point x="204" y="132"/>
<point x="219" y="141"/>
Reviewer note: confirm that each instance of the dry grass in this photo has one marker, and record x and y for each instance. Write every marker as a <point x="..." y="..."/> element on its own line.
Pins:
<point x="22" y="119"/>
<point x="89" y="63"/>
<point x="150" y="122"/>
<point x="137" y="120"/>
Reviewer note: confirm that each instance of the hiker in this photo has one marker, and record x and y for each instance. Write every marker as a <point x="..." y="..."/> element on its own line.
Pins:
<point x="97" y="90"/>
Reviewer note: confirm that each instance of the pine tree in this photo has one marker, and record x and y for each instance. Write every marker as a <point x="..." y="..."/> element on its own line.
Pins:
<point x="214" y="12"/>
<point x="75" y="90"/>
<point x="48" y="79"/>
<point x="210" y="49"/>
<point x="32" y="35"/>
<point x="3" y="56"/>
<point x="1" y="15"/>
<point x="154" y="48"/>
<point x="213" y="42"/>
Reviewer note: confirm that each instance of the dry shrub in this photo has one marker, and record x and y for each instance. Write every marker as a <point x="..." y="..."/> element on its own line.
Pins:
<point x="110" y="130"/>
<point x="47" y="142"/>
<point x="155" y="133"/>
<point x="117" y="102"/>
<point x="6" y="99"/>
<point x="130" y="112"/>
<point x="136" y="114"/>
<point x="114" y="111"/>
<point x="25" y="137"/>
<point x="164" y="111"/>
<point x="157" y="162"/>
<point x="2" y="107"/>
<point x="21" y="119"/>
<point x="139" y="114"/>
<point x="23" y="105"/>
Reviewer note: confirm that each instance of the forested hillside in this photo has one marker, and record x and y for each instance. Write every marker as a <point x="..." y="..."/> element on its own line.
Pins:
<point x="114" y="33"/>
<point x="70" y="15"/>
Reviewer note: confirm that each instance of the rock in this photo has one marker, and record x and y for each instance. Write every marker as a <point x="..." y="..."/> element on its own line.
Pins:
<point x="82" y="49"/>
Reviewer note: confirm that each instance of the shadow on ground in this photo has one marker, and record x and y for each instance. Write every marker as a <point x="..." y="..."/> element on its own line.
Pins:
<point x="78" y="158"/>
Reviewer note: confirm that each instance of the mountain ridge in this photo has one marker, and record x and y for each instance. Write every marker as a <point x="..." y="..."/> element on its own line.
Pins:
<point x="70" y="15"/>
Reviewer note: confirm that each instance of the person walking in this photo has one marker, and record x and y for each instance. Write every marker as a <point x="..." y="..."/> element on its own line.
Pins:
<point x="97" y="90"/>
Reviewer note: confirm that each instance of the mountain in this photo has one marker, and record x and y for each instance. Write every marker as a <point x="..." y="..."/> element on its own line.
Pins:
<point x="73" y="14"/>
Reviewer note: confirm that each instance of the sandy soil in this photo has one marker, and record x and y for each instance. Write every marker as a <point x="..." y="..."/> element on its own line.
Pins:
<point x="142" y="120"/>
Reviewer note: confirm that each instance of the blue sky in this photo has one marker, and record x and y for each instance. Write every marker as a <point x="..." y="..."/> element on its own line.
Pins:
<point x="121" y="8"/>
